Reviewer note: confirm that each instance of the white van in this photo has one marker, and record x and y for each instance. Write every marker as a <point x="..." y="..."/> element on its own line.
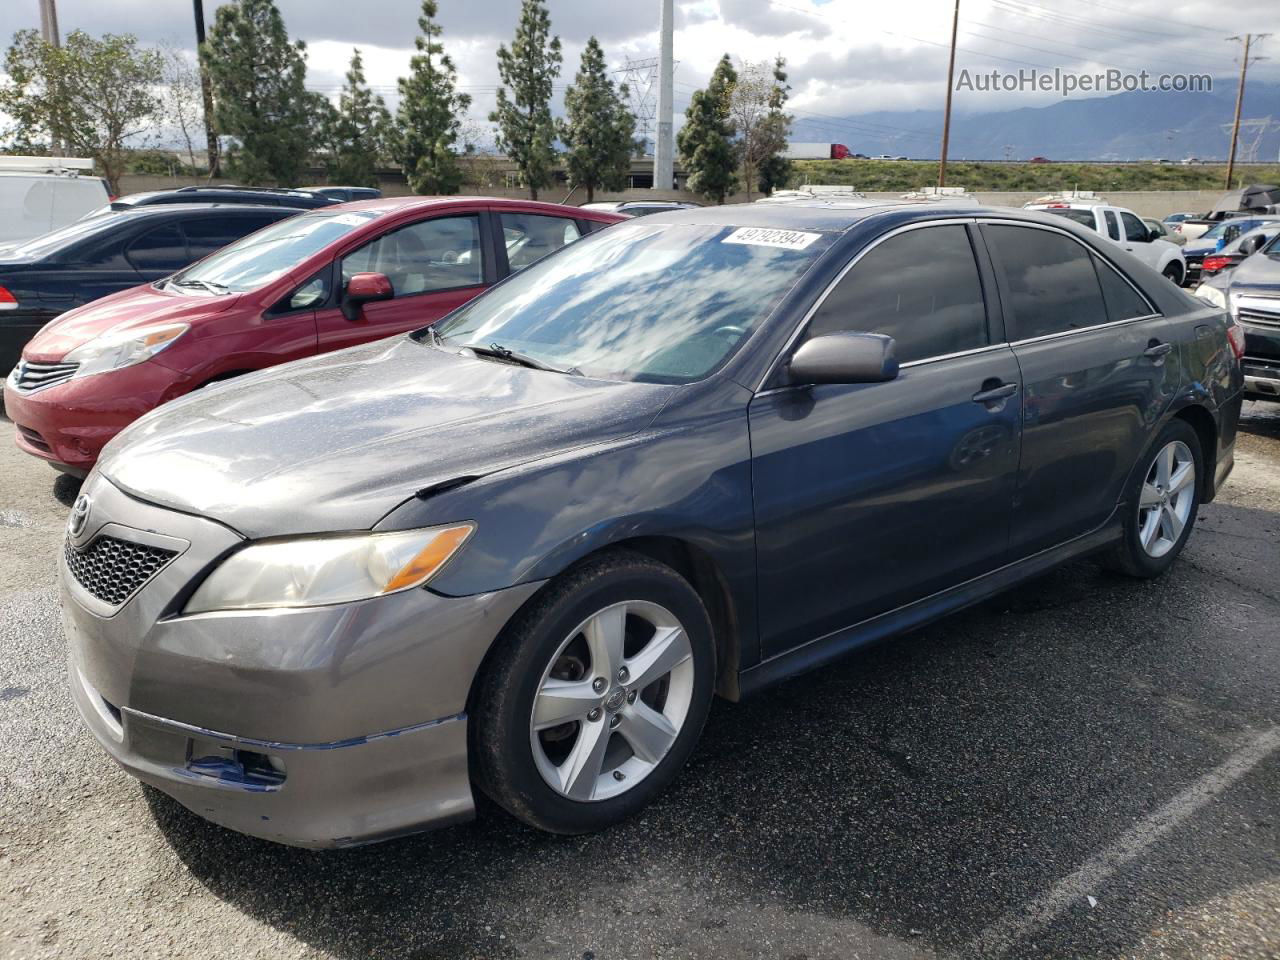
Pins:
<point x="39" y="194"/>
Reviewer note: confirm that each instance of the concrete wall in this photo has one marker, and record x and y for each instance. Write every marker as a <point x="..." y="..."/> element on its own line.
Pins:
<point x="1154" y="203"/>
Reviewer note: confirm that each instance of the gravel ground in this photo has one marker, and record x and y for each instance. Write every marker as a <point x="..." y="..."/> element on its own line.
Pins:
<point x="1083" y="767"/>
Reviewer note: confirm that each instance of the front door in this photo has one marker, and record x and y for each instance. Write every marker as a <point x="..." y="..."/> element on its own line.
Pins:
<point x="1098" y="369"/>
<point x="870" y="496"/>
<point x="434" y="267"/>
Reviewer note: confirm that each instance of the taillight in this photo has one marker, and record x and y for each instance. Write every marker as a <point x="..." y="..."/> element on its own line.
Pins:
<point x="1214" y="263"/>
<point x="7" y="300"/>
<point x="1235" y="336"/>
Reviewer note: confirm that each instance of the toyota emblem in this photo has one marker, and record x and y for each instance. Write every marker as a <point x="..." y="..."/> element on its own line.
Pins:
<point x="79" y="516"/>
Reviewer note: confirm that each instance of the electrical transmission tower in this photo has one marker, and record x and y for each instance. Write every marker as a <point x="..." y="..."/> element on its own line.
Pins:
<point x="641" y="78"/>
<point x="1251" y="135"/>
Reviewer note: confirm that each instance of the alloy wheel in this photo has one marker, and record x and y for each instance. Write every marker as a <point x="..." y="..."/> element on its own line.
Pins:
<point x="1168" y="494"/>
<point x="612" y="701"/>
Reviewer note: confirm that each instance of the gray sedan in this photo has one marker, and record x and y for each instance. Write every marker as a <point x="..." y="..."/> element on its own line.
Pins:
<point x="693" y="454"/>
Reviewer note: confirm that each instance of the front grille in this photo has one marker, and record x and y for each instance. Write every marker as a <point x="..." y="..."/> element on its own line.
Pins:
<point x="1260" y="319"/>
<point x="34" y="376"/>
<point x="113" y="570"/>
<point x="33" y="438"/>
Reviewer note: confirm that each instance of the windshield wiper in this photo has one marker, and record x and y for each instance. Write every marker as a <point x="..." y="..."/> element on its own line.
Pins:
<point x="202" y="284"/>
<point x="500" y="352"/>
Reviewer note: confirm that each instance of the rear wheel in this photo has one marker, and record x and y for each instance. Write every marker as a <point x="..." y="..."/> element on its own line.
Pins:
<point x="595" y="697"/>
<point x="1162" y="505"/>
<point x="1173" y="273"/>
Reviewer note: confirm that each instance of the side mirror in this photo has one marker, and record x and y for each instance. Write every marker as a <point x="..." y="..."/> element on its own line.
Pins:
<point x="844" y="358"/>
<point x="365" y="288"/>
<point x="1252" y="244"/>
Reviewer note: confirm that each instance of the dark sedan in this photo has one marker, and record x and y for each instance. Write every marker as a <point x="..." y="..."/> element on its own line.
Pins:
<point x="108" y="253"/>
<point x="694" y="453"/>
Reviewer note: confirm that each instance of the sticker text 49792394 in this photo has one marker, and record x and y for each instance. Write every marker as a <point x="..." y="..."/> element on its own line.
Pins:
<point x="763" y="237"/>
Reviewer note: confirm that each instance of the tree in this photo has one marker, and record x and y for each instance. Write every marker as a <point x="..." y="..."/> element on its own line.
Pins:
<point x="525" y="127"/>
<point x="260" y="99"/>
<point x="356" y="132"/>
<point x="92" y="95"/>
<point x="599" y="130"/>
<point x="430" y="113"/>
<point x="704" y="141"/>
<point x="757" y="108"/>
<point x="182" y="103"/>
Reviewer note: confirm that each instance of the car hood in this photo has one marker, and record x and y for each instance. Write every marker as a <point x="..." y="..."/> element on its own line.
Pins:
<point x="1258" y="273"/>
<point x="142" y="306"/>
<point x="337" y="441"/>
<point x="1195" y="248"/>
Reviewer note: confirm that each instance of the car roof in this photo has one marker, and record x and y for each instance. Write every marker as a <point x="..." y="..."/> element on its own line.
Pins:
<point x="170" y="209"/>
<point x="399" y="204"/>
<point x="842" y="215"/>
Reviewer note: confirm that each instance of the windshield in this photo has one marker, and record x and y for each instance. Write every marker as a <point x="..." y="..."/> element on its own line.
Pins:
<point x="1236" y="226"/>
<point x="1083" y="217"/>
<point x="56" y="240"/>
<point x="260" y="257"/>
<point x="661" y="303"/>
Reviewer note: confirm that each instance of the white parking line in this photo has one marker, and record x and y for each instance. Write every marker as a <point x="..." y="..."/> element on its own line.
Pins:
<point x="1046" y="908"/>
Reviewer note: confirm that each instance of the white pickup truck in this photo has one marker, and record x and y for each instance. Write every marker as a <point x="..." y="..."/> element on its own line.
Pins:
<point x="1126" y="229"/>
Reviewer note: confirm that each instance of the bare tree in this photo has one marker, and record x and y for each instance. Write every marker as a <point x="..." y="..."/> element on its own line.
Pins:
<point x="182" y="104"/>
<point x="750" y="102"/>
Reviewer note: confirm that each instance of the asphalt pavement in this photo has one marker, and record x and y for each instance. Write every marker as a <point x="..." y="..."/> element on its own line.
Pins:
<point x="1084" y="767"/>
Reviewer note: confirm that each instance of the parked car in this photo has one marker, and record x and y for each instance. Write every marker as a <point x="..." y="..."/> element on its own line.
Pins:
<point x="698" y="452"/>
<point x="1251" y="292"/>
<point x="346" y="194"/>
<point x="90" y="259"/>
<point x="40" y="194"/>
<point x="639" y="208"/>
<point x="263" y="196"/>
<point x="1160" y="230"/>
<point x="1179" y="217"/>
<point x="1255" y="199"/>
<point x="328" y="279"/>
<point x="1217" y="237"/>
<point x="1125" y="229"/>
<point x="1233" y="253"/>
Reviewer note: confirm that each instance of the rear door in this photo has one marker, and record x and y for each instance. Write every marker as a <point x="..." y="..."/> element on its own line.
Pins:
<point x="1098" y="368"/>
<point x="869" y="496"/>
<point x="435" y="265"/>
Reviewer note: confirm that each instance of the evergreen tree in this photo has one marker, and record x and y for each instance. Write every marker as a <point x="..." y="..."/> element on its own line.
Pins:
<point x="356" y="131"/>
<point x="704" y="141"/>
<point x="525" y="127"/>
<point x="430" y="113"/>
<point x="599" y="130"/>
<point x="773" y="168"/>
<point x="260" y="99"/>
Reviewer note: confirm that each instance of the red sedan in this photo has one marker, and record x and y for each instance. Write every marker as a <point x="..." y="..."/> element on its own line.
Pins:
<point x="320" y="281"/>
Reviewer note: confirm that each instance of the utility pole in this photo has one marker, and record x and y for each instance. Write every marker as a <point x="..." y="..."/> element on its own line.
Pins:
<point x="946" y="118"/>
<point x="664" y="148"/>
<point x="1235" y="126"/>
<point x="49" y="33"/>
<point x="206" y="91"/>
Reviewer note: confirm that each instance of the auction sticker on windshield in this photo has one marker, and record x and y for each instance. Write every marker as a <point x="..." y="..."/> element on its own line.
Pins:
<point x="759" y="237"/>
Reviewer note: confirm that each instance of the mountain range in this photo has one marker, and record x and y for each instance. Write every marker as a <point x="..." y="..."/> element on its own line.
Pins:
<point x="1123" y="126"/>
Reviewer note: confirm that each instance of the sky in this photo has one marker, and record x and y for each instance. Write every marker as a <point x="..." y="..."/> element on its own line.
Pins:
<point x="845" y="57"/>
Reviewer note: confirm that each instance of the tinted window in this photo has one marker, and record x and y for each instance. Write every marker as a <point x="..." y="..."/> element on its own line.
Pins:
<point x="1051" y="282"/>
<point x="663" y="303"/>
<point x="432" y="255"/>
<point x="530" y="237"/>
<point x="920" y="287"/>
<point x="1113" y="228"/>
<point x="1134" y="230"/>
<point x="161" y="249"/>
<point x="1123" y="302"/>
<point x="213" y="233"/>
<point x="1082" y="217"/>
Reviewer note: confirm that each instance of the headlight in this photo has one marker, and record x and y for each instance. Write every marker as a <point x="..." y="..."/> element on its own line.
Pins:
<point x="111" y="351"/>
<point x="1212" y="295"/>
<point x="312" y="571"/>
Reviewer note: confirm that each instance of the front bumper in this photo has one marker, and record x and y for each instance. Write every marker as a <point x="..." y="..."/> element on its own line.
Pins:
<point x="321" y="726"/>
<point x="69" y="424"/>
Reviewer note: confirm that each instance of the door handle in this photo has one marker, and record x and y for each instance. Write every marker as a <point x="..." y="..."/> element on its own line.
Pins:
<point x="995" y="393"/>
<point x="1157" y="350"/>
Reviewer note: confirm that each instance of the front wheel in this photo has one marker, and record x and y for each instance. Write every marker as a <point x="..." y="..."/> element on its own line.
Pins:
<point x="596" y="695"/>
<point x="1162" y="505"/>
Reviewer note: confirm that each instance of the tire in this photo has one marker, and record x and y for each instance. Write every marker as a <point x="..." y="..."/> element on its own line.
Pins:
<point x="1155" y="534"/>
<point x="1173" y="273"/>
<point x="638" y="732"/>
